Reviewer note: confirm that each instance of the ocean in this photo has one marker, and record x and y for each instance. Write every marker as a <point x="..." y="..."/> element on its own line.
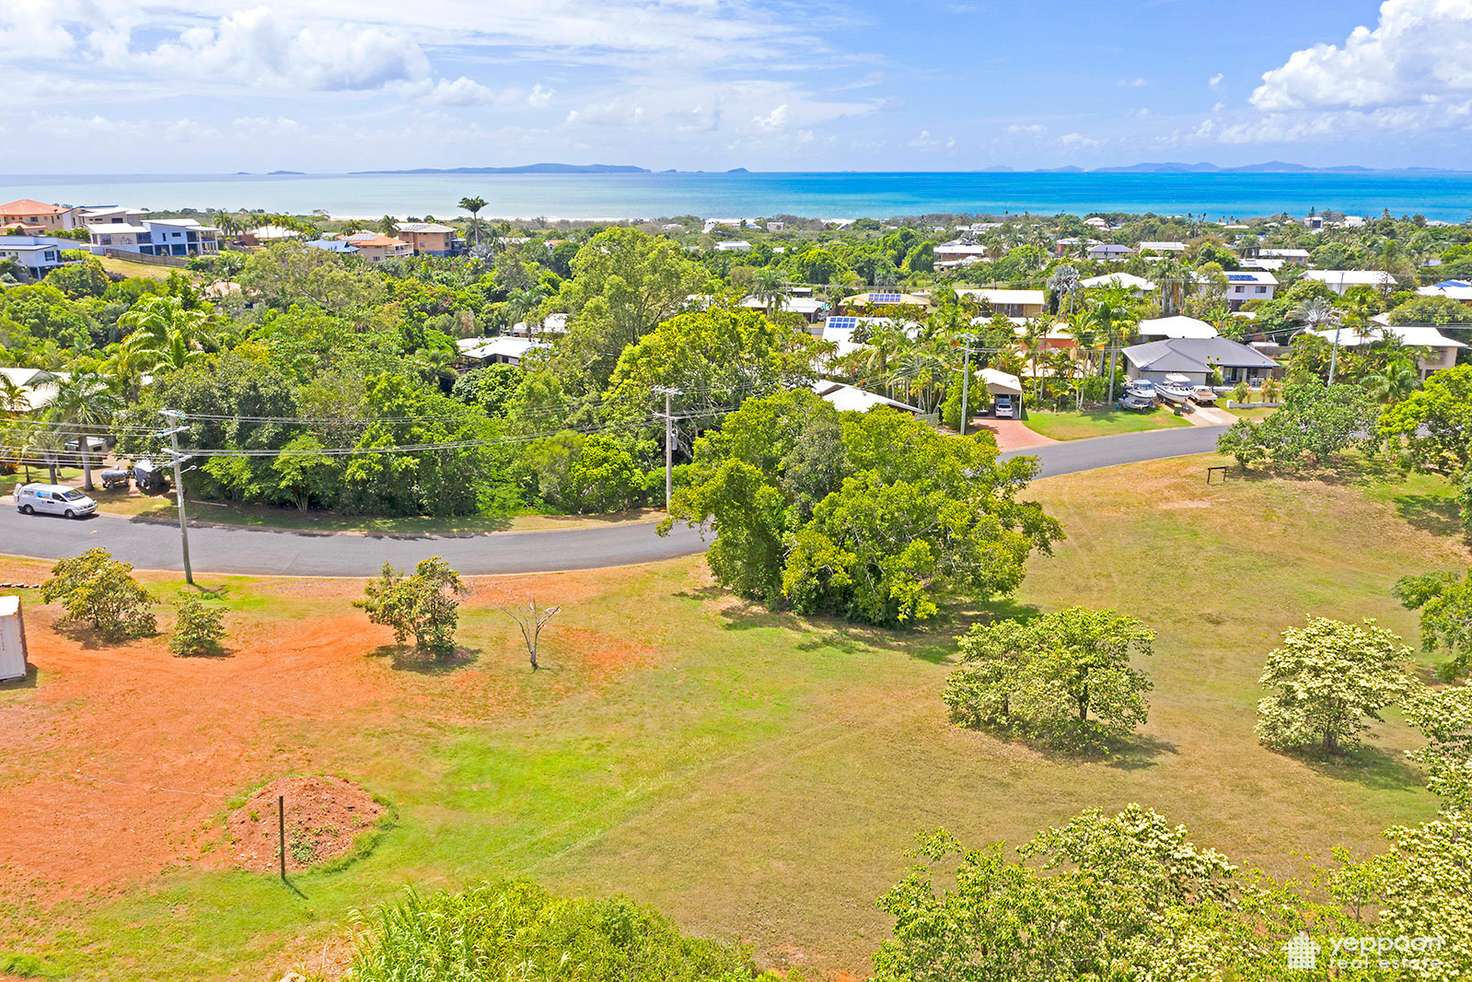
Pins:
<point x="810" y="195"/>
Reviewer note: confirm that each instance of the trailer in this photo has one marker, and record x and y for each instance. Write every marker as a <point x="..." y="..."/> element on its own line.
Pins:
<point x="13" y="664"/>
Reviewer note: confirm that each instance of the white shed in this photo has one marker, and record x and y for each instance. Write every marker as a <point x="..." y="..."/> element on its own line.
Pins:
<point x="12" y="640"/>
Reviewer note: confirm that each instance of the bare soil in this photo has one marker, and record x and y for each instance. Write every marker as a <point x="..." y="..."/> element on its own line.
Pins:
<point x="324" y="818"/>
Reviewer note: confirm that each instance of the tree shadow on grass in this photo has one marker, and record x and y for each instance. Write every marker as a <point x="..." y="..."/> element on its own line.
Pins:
<point x="90" y="638"/>
<point x="1431" y="513"/>
<point x="1371" y="767"/>
<point x="405" y="658"/>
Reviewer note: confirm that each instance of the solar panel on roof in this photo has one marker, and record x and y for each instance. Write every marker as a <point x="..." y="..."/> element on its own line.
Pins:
<point x="1241" y="278"/>
<point x="843" y="323"/>
<point x="884" y="298"/>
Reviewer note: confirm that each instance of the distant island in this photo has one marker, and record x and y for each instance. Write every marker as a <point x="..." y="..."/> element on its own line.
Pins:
<point x="523" y="169"/>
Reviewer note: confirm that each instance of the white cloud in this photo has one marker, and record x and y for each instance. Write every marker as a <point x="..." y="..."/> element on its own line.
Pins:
<point x="1079" y="140"/>
<point x="1132" y="83"/>
<point x="461" y="92"/>
<point x="1027" y="129"/>
<point x="924" y="141"/>
<point x="1420" y="51"/>
<point x="540" y="96"/>
<point x="1215" y="80"/>
<point x="774" y="120"/>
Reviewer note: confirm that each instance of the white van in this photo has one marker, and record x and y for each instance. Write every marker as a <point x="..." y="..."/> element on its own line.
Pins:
<point x="53" y="499"/>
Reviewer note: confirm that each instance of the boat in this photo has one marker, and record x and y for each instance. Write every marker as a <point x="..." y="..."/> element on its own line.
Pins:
<point x="1176" y="389"/>
<point x="1204" y="395"/>
<point x="1141" y="388"/>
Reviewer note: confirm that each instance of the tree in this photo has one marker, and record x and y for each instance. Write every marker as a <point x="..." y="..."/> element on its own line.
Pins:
<point x="96" y="589"/>
<point x="1313" y="424"/>
<point x="1434" y="423"/>
<point x="84" y="405"/>
<point x="1326" y="680"/>
<point x="474" y="205"/>
<point x="530" y="621"/>
<point x="198" y="628"/>
<point x="423" y="606"/>
<point x="1445" y="603"/>
<point x="1064" y="677"/>
<point x="1444" y="717"/>
<point x="304" y="474"/>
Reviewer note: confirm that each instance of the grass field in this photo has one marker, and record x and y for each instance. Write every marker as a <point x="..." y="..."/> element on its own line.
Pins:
<point x="1104" y="422"/>
<point x="757" y="776"/>
<point x="147" y="271"/>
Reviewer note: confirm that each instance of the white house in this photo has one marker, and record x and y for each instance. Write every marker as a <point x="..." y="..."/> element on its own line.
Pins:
<point x="1459" y="290"/>
<point x="554" y="323"/>
<point x="503" y="350"/>
<point x="1009" y="303"/>
<point x="1298" y="256"/>
<point x="1179" y="326"/>
<point x="959" y="250"/>
<point x="37" y="385"/>
<point x="851" y="398"/>
<point x="110" y="215"/>
<point x="1126" y="281"/>
<point x="1441" y="351"/>
<point x="1109" y="252"/>
<point x="39" y="254"/>
<point x="1163" y="247"/>
<point x="807" y="307"/>
<point x="1340" y="280"/>
<point x="1245" y="285"/>
<point x="733" y="245"/>
<point x="157" y="237"/>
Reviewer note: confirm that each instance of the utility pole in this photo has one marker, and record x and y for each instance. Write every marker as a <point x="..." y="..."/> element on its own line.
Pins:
<point x="172" y="433"/>
<point x="966" y="341"/>
<point x="669" y="440"/>
<point x="1334" y="353"/>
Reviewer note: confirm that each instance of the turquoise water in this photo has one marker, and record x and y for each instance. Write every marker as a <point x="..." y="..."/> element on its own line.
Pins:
<point x="813" y="195"/>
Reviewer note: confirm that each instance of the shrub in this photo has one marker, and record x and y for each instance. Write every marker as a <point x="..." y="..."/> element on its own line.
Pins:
<point x="518" y="930"/>
<point x="422" y="606"/>
<point x="198" y="628"/>
<point x="96" y="589"/>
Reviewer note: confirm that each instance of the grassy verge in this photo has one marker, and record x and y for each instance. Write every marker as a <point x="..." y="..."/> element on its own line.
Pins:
<point x="760" y="776"/>
<point x="1103" y="422"/>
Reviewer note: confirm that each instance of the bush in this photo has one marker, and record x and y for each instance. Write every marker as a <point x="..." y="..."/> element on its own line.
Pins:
<point x="198" y="628"/>
<point x="422" y="606"/>
<point x="518" y="930"/>
<point x="96" y="589"/>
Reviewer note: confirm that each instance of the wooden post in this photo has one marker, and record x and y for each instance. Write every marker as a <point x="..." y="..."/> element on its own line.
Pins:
<point x="281" y="833"/>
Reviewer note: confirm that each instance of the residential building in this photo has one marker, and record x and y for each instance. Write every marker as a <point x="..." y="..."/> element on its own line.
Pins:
<point x="33" y="216"/>
<point x="808" y="308"/>
<point x="1298" y="257"/>
<point x="1126" y="281"/>
<point x="37" y="253"/>
<point x="1437" y="350"/>
<point x="340" y="246"/>
<point x="1245" y="285"/>
<point x="733" y="245"/>
<point x="851" y="398"/>
<point x="554" y="323"/>
<point x="428" y="238"/>
<point x="1009" y="303"/>
<point x="1169" y="247"/>
<point x="1340" y="280"/>
<point x="885" y="298"/>
<point x="37" y="385"/>
<point x="157" y="237"/>
<point x="1109" y="252"/>
<point x="1179" y="326"/>
<point x="267" y="234"/>
<point x="502" y="350"/>
<point x="1460" y="290"/>
<point x="1196" y="358"/>
<point x="110" y="215"/>
<point x="376" y="247"/>
<point x="959" y="250"/>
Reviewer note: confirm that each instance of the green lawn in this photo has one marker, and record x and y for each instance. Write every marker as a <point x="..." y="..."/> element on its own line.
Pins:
<point x="147" y="271"/>
<point x="760" y="776"/>
<point x="1103" y="422"/>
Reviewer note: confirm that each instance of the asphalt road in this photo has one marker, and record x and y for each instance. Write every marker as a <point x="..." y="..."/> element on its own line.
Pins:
<point x="218" y="549"/>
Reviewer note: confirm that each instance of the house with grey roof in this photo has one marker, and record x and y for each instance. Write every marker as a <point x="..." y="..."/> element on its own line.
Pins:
<point x="1195" y="358"/>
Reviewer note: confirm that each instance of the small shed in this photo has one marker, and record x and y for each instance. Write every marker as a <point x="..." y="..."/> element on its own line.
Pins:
<point x="13" y="663"/>
<point x="999" y="383"/>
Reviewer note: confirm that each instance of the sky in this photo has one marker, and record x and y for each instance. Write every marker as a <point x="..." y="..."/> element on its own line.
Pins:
<point x="217" y="86"/>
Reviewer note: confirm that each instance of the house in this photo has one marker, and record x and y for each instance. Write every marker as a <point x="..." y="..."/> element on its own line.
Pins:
<point x="851" y="398"/>
<point x="267" y="234"/>
<point x="1298" y="257"/>
<point x="1195" y="358"/>
<point x="554" y="323"/>
<point x="1125" y="281"/>
<point x="37" y="385"/>
<point x="1460" y="290"/>
<point x="340" y="246"/>
<point x="1440" y="350"/>
<point x="806" y="307"/>
<point x="1009" y="303"/>
<point x="376" y="247"/>
<point x="428" y="238"/>
<point x="1245" y="285"/>
<point x="1166" y="247"/>
<point x="37" y="253"/>
<point x="958" y="250"/>
<point x="885" y="298"/>
<point x="110" y="215"/>
<point x="502" y="350"/>
<point x="733" y="245"/>
<point x="1178" y="326"/>
<point x="1109" y="252"/>
<point x="33" y="216"/>
<point x="157" y="237"/>
<point x="1340" y="280"/>
<point x="1096" y="222"/>
<point x="840" y="331"/>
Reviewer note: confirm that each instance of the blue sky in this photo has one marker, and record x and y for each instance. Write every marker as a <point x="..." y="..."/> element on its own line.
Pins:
<point x="126" y="86"/>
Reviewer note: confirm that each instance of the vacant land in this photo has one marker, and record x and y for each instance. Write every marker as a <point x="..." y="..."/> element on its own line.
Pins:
<point x="130" y="267"/>
<point x="1103" y="422"/>
<point x="755" y="775"/>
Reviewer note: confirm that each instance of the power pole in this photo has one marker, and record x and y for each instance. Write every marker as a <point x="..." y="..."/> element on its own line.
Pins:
<point x="1334" y="353"/>
<point x="172" y="433"/>
<point x="669" y="440"/>
<point x="966" y="341"/>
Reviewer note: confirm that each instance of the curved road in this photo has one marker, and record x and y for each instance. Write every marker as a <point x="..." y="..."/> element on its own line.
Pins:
<point x="219" y="549"/>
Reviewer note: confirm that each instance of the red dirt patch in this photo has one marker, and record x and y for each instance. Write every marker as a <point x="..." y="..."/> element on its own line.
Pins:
<point x="324" y="817"/>
<point x="600" y="656"/>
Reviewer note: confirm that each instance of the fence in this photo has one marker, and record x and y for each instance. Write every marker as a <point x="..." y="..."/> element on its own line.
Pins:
<point x="142" y="257"/>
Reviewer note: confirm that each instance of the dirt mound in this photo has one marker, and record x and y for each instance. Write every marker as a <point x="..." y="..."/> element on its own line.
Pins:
<point x="324" y="816"/>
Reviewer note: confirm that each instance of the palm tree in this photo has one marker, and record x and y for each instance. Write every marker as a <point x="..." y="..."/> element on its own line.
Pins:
<point x="1064" y="285"/>
<point x="1114" y="314"/>
<point x="1034" y="332"/>
<point x="83" y="402"/>
<point x="163" y="334"/>
<point x="1315" y="312"/>
<point x="473" y="205"/>
<point x="1395" y="380"/>
<point x="769" y="287"/>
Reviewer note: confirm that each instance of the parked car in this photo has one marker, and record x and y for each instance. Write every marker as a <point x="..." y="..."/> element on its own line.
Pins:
<point x="1004" y="407"/>
<point x="53" y="499"/>
<point x="95" y="444"/>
